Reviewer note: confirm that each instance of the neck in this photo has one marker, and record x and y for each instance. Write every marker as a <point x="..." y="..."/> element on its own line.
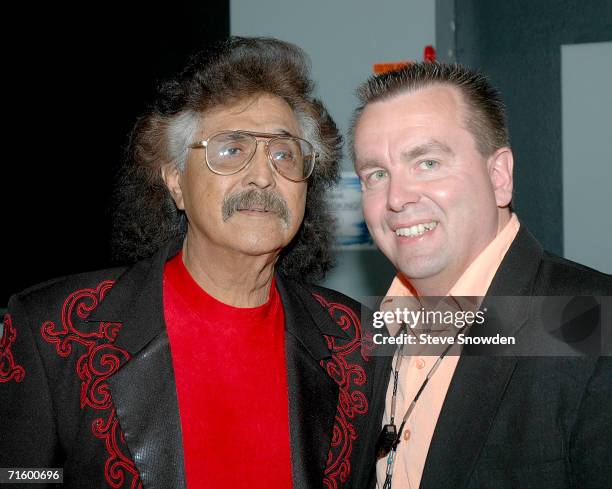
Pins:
<point x="437" y="287"/>
<point x="231" y="277"/>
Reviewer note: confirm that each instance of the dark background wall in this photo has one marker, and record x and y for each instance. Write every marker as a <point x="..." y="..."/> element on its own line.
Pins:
<point x="517" y="43"/>
<point x="78" y="78"/>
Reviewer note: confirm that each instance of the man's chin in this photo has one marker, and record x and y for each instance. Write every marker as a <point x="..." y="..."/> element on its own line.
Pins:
<point x="418" y="268"/>
<point x="258" y="244"/>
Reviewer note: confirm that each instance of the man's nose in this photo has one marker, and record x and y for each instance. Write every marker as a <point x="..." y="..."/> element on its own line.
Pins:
<point x="401" y="192"/>
<point x="259" y="172"/>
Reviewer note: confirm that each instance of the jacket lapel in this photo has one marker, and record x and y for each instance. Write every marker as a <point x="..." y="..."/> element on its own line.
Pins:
<point x="143" y="389"/>
<point x="465" y="419"/>
<point x="313" y="394"/>
<point x="144" y="394"/>
<point x="479" y="382"/>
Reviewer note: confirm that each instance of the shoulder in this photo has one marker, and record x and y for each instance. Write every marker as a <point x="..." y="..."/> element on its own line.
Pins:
<point x="340" y="316"/>
<point x="318" y="297"/>
<point x="52" y="294"/>
<point x="559" y="276"/>
<point x="333" y="296"/>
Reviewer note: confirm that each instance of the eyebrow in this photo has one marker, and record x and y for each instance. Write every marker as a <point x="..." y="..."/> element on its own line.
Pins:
<point x="365" y="165"/>
<point x="276" y="132"/>
<point x="431" y="146"/>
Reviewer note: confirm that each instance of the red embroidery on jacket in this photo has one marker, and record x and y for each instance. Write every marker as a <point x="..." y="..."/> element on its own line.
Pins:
<point x="348" y="375"/>
<point x="100" y="360"/>
<point x="9" y="370"/>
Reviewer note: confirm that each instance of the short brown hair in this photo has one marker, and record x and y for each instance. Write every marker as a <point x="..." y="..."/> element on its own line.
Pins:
<point x="486" y="114"/>
<point x="240" y="68"/>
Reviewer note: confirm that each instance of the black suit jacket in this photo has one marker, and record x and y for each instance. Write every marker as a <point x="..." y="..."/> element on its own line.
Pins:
<point x="510" y="421"/>
<point x="86" y="382"/>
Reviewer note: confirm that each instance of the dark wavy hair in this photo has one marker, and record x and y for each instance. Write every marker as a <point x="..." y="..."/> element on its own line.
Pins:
<point x="145" y="216"/>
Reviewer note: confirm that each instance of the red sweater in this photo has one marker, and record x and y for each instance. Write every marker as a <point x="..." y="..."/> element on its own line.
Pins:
<point x="231" y="380"/>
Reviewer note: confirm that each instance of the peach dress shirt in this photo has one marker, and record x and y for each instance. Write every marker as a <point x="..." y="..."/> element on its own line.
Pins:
<point x="420" y="426"/>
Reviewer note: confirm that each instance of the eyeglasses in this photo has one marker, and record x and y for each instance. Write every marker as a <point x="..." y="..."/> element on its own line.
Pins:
<point x="228" y="152"/>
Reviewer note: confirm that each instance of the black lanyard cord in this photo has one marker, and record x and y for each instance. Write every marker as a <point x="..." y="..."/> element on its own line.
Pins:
<point x="390" y="428"/>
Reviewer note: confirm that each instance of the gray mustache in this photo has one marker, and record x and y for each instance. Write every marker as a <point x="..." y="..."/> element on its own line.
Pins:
<point x="256" y="198"/>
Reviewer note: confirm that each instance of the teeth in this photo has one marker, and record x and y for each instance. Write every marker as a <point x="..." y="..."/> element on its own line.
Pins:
<point x="417" y="229"/>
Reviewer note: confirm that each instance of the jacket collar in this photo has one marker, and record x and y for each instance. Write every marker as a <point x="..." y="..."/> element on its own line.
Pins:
<point x="137" y="298"/>
<point x="136" y="301"/>
<point x="518" y="270"/>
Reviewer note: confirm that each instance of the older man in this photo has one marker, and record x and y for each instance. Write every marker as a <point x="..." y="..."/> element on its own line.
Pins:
<point x="210" y="362"/>
<point x="431" y="149"/>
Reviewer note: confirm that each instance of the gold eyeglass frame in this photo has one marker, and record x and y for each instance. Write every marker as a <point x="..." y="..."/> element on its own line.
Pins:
<point x="256" y="135"/>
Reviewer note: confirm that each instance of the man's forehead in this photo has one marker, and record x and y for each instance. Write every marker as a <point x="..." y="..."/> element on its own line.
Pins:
<point x="255" y="110"/>
<point x="441" y="100"/>
<point x="257" y="101"/>
<point x="424" y="114"/>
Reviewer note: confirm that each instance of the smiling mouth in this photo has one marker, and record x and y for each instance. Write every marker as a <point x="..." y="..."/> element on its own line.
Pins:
<point x="417" y="229"/>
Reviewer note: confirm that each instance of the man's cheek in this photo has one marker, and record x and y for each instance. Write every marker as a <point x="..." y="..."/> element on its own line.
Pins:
<point x="372" y="209"/>
<point x="373" y="224"/>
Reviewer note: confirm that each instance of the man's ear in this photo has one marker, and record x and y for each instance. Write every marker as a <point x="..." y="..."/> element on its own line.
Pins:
<point x="500" y="166"/>
<point x="172" y="178"/>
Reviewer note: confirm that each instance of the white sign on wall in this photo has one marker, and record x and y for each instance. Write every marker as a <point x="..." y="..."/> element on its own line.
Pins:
<point x="345" y="205"/>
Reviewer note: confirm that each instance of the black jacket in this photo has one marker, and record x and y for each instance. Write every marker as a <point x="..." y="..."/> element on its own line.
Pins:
<point x="516" y="421"/>
<point x="86" y="383"/>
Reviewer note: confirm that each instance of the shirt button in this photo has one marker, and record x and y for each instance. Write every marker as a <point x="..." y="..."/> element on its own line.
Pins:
<point x="420" y="363"/>
<point x="406" y="435"/>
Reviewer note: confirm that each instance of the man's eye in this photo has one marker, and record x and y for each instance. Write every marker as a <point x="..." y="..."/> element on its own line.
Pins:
<point x="282" y="156"/>
<point x="428" y="165"/>
<point x="230" y="151"/>
<point x="375" y="177"/>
